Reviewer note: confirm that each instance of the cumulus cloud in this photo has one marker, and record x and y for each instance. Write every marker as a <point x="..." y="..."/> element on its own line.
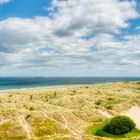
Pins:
<point x="76" y="33"/>
<point x="89" y="17"/>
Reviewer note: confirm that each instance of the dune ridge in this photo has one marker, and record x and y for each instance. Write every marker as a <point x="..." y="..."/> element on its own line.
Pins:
<point x="63" y="113"/>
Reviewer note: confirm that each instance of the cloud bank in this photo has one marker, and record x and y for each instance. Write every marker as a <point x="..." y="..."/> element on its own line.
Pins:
<point x="78" y="36"/>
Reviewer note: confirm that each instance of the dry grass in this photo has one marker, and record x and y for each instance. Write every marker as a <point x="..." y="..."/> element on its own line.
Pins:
<point x="62" y="113"/>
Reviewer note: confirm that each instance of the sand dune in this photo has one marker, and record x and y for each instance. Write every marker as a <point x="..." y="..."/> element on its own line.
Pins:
<point x="65" y="113"/>
<point x="134" y="114"/>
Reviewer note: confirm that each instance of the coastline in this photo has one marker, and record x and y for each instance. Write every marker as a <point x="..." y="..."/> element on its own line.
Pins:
<point x="49" y="87"/>
<point x="19" y="84"/>
<point x="60" y="87"/>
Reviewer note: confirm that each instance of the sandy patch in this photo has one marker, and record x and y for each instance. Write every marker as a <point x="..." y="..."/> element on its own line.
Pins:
<point x="105" y="114"/>
<point x="134" y="114"/>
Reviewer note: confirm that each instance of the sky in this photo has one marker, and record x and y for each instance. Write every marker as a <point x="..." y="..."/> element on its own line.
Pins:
<point x="70" y="38"/>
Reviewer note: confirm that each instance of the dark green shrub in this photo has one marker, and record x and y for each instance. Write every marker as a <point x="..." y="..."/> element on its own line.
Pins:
<point x="28" y="116"/>
<point x="119" y="125"/>
<point x="138" y="82"/>
<point x="31" y="108"/>
<point x="54" y="94"/>
<point x="31" y="97"/>
<point x="98" y="102"/>
<point x="109" y="107"/>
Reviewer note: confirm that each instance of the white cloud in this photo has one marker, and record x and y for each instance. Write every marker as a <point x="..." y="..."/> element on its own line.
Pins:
<point x="4" y="1"/>
<point x="137" y="28"/>
<point x="81" y="34"/>
<point x="87" y="17"/>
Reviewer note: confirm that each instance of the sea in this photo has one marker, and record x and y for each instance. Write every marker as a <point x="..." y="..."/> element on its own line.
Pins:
<point x="12" y="83"/>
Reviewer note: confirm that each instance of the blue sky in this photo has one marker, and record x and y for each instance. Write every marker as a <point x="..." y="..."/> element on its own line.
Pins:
<point x="24" y="8"/>
<point x="69" y="38"/>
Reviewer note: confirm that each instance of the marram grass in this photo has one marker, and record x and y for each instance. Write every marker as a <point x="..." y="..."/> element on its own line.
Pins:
<point x="64" y="113"/>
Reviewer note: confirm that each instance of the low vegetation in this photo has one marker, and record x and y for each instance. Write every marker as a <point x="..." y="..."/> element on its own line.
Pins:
<point x="74" y="113"/>
<point x="97" y="129"/>
<point x="119" y="125"/>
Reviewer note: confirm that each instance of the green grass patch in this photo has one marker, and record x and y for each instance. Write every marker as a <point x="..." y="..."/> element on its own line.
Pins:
<point x="96" y="129"/>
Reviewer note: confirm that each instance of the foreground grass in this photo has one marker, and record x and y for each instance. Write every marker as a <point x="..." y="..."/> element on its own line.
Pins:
<point x="64" y="113"/>
<point x="97" y="129"/>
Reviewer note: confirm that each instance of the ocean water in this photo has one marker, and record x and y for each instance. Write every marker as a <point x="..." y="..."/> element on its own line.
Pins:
<point x="34" y="82"/>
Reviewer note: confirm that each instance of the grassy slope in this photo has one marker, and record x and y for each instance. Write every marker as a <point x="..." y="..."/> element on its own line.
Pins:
<point x="63" y="113"/>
